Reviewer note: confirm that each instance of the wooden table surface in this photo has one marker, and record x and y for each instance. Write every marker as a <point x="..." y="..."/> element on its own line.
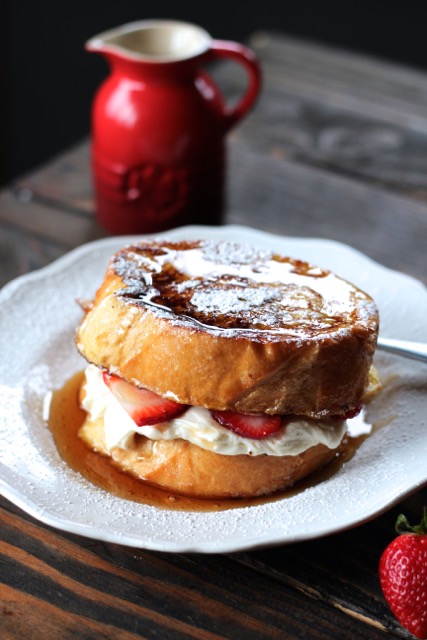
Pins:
<point x="335" y="148"/>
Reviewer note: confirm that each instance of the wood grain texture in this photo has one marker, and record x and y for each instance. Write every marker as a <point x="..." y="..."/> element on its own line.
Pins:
<point x="64" y="183"/>
<point x="347" y="80"/>
<point x="336" y="148"/>
<point x="72" y="581"/>
<point x="22" y="252"/>
<point x="348" y="114"/>
<point x="293" y="199"/>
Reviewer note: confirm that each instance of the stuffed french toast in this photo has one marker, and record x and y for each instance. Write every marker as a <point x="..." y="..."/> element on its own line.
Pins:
<point x="218" y="370"/>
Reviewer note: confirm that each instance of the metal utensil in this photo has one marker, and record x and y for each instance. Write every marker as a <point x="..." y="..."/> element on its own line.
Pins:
<point x="406" y="348"/>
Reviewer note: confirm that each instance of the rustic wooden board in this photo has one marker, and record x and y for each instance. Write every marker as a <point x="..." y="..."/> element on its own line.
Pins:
<point x="23" y="252"/>
<point x="81" y="584"/>
<point x="65" y="182"/>
<point x="34" y="232"/>
<point x="340" y="111"/>
<point x="292" y="199"/>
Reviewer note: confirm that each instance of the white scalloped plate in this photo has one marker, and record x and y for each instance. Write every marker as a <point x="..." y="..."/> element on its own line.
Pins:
<point x="38" y="316"/>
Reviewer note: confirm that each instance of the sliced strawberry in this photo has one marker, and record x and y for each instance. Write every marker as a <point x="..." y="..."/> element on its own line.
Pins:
<point x="247" y="425"/>
<point x="143" y="406"/>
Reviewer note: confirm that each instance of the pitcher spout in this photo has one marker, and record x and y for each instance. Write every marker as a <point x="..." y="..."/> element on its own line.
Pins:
<point x="152" y="41"/>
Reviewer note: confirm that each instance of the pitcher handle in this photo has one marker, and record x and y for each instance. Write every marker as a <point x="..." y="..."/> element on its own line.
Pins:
<point x="247" y="58"/>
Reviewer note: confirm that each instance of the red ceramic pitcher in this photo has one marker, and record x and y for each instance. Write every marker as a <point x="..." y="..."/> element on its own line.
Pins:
<point x="159" y="124"/>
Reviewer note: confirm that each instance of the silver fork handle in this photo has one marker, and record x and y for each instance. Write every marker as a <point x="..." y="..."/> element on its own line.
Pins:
<point x="406" y="348"/>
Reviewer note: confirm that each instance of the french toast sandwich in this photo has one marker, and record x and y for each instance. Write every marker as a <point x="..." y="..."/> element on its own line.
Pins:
<point x="253" y="360"/>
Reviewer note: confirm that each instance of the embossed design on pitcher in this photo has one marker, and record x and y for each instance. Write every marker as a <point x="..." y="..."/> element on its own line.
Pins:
<point x="163" y="191"/>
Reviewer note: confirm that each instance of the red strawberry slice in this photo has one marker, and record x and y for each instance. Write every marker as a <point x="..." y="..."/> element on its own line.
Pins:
<point x="143" y="406"/>
<point x="247" y="425"/>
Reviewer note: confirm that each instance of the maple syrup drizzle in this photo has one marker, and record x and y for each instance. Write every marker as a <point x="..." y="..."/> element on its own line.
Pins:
<point x="263" y="293"/>
<point x="65" y="419"/>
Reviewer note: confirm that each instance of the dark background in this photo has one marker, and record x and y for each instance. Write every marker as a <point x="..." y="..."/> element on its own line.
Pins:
<point x="48" y="80"/>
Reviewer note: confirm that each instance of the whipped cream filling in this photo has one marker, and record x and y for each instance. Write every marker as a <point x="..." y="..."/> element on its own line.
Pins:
<point x="196" y="424"/>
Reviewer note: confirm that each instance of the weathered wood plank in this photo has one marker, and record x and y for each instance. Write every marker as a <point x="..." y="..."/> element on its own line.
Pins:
<point x="311" y="134"/>
<point x="52" y="621"/>
<point x="57" y="225"/>
<point x="23" y="252"/>
<point x="353" y="82"/>
<point x="64" y="182"/>
<point x="342" y="569"/>
<point x="168" y="594"/>
<point x="291" y="199"/>
<point x="336" y="110"/>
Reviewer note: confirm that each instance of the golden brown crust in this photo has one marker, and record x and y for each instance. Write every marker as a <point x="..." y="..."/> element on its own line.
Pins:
<point x="184" y="468"/>
<point x="149" y="330"/>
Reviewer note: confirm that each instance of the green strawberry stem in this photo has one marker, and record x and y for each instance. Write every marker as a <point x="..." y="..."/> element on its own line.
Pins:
<point x="403" y="526"/>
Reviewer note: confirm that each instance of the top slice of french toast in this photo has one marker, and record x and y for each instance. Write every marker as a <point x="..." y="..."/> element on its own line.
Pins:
<point x="225" y="286"/>
<point x="263" y="329"/>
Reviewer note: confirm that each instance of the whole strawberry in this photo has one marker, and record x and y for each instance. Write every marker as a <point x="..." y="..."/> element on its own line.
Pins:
<point x="403" y="575"/>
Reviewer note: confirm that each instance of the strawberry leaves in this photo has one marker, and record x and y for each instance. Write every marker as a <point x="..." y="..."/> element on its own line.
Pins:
<point x="403" y="526"/>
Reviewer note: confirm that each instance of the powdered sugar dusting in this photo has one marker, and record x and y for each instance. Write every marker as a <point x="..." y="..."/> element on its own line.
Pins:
<point x="229" y="287"/>
<point x="234" y="300"/>
<point x="227" y="253"/>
